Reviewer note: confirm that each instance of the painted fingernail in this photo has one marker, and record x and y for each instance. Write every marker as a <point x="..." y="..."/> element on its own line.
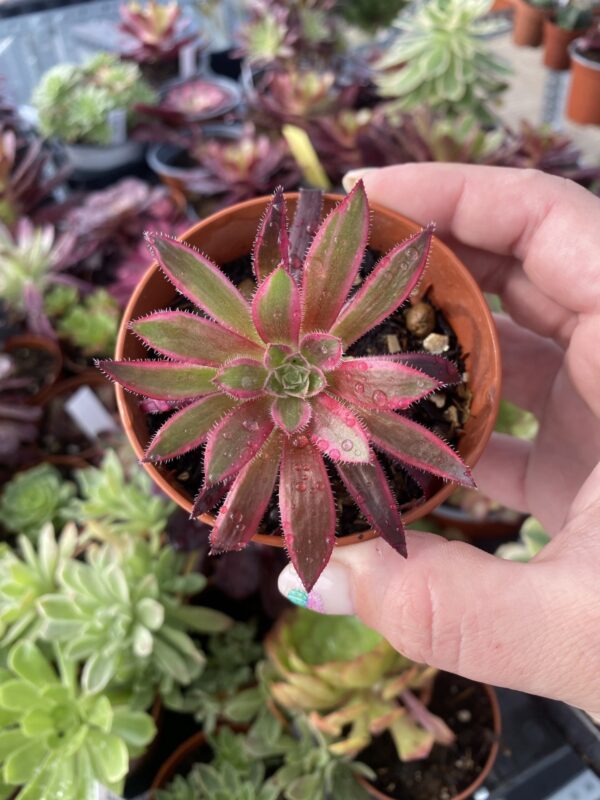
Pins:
<point x="330" y="595"/>
<point x="351" y="178"/>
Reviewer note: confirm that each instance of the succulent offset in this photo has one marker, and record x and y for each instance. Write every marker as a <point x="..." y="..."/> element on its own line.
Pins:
<point x="265" y="385"/>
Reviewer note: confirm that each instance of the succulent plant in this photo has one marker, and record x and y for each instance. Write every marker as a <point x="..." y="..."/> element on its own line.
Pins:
<point x="267" y="387"/>
<point x="532" y="540"/>
<point x="57" y="739"/>
<point x="157" y="29"/>
<point x="34" y="498"/>
<point x="74" y="102"/>
<point x="441" y="61"/>
<point x="235" y="170"/>
<point x="295" y="95"/>
<point x="575" y="15"/>
<point x="589" y="44"/>
<point x="92" y="323"/>
<point x="121" y="612"/>
<point x="370" y="15"/>
<point x="26" y="576"/>
<point x="114" y="502"/>
<point x="352" y="684"/>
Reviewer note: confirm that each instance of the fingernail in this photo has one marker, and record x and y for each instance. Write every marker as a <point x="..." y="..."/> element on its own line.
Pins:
<point x="351" y="178"/>
<point x="330" y="595"/>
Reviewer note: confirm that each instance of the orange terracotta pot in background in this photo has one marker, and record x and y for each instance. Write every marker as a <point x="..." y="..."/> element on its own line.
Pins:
<point x="528" y="27"/>
<point x="228" y="235"/>
<point x="583" y="102"/>
<point x="556" y="45"/>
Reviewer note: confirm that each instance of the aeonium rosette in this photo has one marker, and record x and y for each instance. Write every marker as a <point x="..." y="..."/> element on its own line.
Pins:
<point x="265" y="385"/>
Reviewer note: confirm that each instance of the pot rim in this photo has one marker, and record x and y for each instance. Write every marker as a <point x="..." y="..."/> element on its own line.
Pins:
<point x="580" y="58"/>
<point x="230" y="88"/>
<point x="416" y="512"/>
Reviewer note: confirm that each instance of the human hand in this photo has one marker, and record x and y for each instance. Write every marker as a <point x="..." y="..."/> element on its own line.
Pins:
<point x="534" y="240"/>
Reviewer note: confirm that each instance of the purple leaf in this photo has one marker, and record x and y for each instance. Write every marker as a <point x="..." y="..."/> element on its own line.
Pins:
<point x="208" y="497"/>
<point x="387" y="287"/>
<point x="322" y="350"/>
<point x="304" y="227"/>
<point x="337" y="431"/>
<point x="333" y="260"/>
<point x="370" y="490"/>
<point x="291" y="414"/>
<point x="307" y="510"/>
<point x="237" y="439"/>
<point x="380" y="383"/>
<point x="188" y="428"/>
<point x="161" y="380"/>
<point x="271" y="247"/>
<point x="407" y="441"/>
<point x="202" y="282"/>
<point x="248" y="498"/>
<point x="189" y="337"/>
<point x="276" y="309"/>
<point x="242" y="378"/>
<point x="437" y="367"/>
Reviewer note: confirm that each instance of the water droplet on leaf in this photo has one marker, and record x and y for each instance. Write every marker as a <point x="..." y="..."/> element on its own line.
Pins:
<point x="347" y="445"/>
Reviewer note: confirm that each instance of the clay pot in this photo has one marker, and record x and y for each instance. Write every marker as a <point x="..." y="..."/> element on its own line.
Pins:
<point x="494" y="526"/>
<point x="46" y="346"/>
<point x="493" y="754"/>
<point x="228" y="235"/>
<point x="528" y="28"/>
<point x="556" y="45"/>
<point x="583" y="102"/>
<point x="502" y="5"/>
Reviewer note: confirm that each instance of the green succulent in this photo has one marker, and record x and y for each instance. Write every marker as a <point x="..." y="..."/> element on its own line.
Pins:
<point x="60" y="300"/>
<point x="121" y="612"/>
<point x="440" y="60"/>
<point x="74" y="102"/>
<point x="56" y="739"/>
<point x="33" y="498"/>
<point x="92" y="323"/>
<point x="115" y="501"/>
<point x="28" y="256"/>
<point x="532" y="540"/>
<point x="370" y="15"/>
<point x="516" y="421"/>
<point x="575" y="14"/>
<point x="27" y="576"/>
<point x="352" y="683"/>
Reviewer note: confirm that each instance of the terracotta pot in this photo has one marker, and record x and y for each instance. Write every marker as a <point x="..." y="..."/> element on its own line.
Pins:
<point x="228" y="235"/>
<point x="493" y="754"/>
<point x="556" y="45"/>
<point x="583" y="102"/>
<point x="502" y="5"/>
<point x="45" y="345"/>
<point x="528" y="28"/>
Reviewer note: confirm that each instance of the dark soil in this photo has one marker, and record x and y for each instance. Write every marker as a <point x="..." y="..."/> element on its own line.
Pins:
<point x="445" y="414"/>
<point x="448" y="770"/>
<point x="35" y="364"/>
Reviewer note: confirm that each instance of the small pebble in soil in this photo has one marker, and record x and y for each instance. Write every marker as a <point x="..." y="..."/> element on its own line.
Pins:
<point x="393" y="343"/>
<point x="420" y="319"/>
<point x="438" y="399"/>
<point x="436" y="343"/>
<point x="464" y="715"/>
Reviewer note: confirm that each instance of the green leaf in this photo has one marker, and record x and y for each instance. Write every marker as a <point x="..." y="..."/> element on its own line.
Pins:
<point x="109" y="756"/>
<point x="291" y="414"/>
<point x="21" y="764"/>
<point x="98" y="671"/>
<point x="242" y="378"/>
<point x="37" y="722"/>
<point x="150" y="613"/>
<point x="244" y="706"/>
<point x="161" y="380"/>
<point x="134" y="727"/>
<point x="100" y="713"/>
<point x="27" y="661"/>
<point x="202" y="620"/>
<point x="276" y="309"/>
<point x="18" y="695"/>
<point x="10" y="741"/>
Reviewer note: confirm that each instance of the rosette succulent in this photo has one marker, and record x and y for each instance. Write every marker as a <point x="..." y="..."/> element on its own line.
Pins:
<point x="157" y="30"/>
<point x="266" y="385"/>
<point x="57" y="741"/>
<point x="33" y="498"/>
<point x="352" y="684"/>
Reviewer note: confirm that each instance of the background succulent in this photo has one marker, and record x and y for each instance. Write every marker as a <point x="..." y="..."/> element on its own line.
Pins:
<point x="267" y="387"/>
<point x="157" y="29"/>
<point x="57" y="741"/>
<point x="34" y="498"/>
<point x="74" y="102"/>
<point x="91" y="324"/>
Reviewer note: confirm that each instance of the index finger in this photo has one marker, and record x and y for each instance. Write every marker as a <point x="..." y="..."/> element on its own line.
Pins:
<point x="550" y="224"/>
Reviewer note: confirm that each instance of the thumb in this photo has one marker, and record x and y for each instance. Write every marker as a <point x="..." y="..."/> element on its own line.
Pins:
<point x="457" y="608"/>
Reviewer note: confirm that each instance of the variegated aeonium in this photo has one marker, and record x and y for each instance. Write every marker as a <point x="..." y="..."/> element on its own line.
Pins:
<point x="266" y="386"/>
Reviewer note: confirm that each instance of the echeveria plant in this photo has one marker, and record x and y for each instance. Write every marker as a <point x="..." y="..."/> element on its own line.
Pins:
<point x="268" y="387"/>
<point x="33" y="498"/>
<point x="58" y="741"/>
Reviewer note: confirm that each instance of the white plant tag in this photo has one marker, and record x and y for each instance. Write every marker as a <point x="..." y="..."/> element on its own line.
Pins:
<point x="117" y="120"/>
<point x="88" y="413"/>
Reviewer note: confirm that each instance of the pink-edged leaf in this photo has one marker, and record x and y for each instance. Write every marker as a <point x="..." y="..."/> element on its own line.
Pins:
<point x="333" y="260"/>
<point x="337" y="431"/>
<point x="407" y="441"/>
<point x="248" y="498"/>
<point x="271" y="246"/>
<point x="291" y="414"/>
<point x="237" y="439"/>
<point x="322" y="350"/>
<point x="437" y="367"/>
<point x="307" y="510"/>
<point x="276" y="308"/>
<point x="189" y="337"/>
<point x="379" y="383"/>
<point x="202" y="282"/>
<point x="161" y="380"/>
<point x="393" y="279"/>
<point x="276" y="354"/>
<point x="242" y="378"/>
<point x="370" y="490"/>
<point x="208" y="497"/>
<point x="426" y="482"/>
<point x="188" y="428"/>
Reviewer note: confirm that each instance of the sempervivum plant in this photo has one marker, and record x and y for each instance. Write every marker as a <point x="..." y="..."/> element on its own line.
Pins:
<point x="267" y="386"/>
<point x="157" y="31"/>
